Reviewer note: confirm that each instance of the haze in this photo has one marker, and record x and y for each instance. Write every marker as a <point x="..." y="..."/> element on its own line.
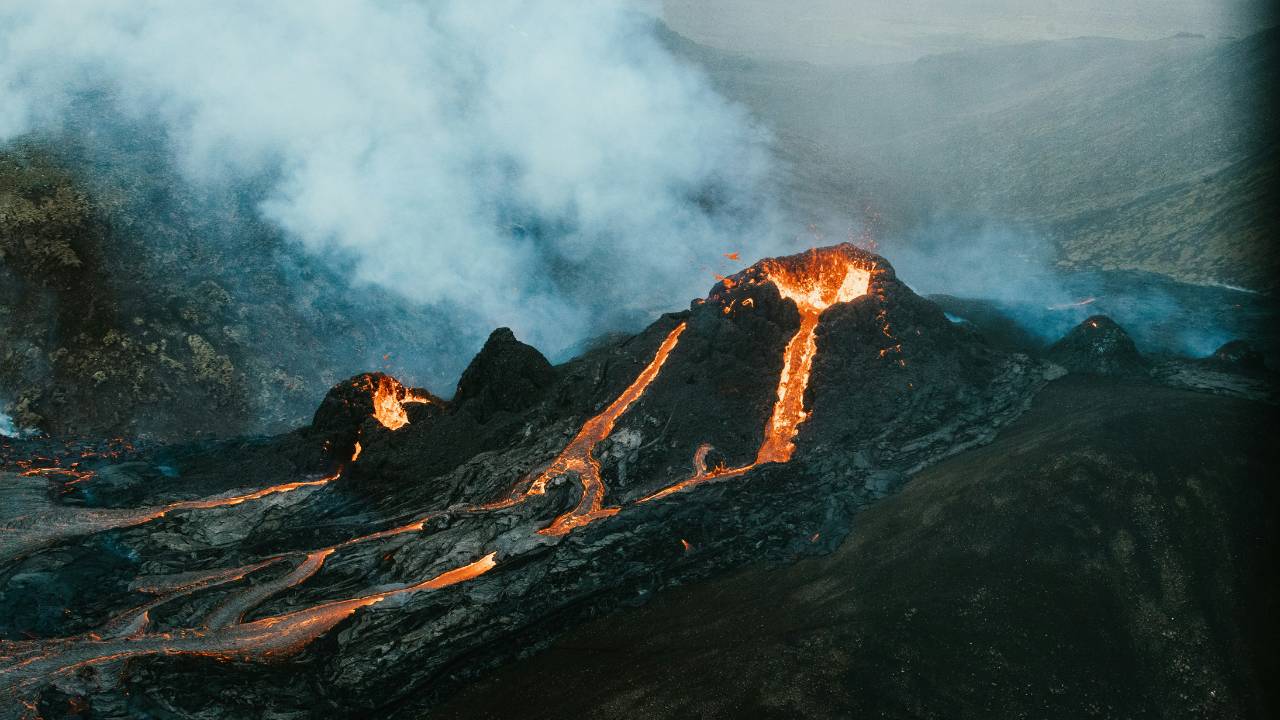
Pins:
<point x="866" y="32"/>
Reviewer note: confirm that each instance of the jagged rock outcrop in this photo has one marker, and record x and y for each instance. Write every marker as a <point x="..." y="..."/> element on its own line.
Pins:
<point x="1238" y="355"/>
<point x="506" y="376"/>
<point x="1098" y="346"/>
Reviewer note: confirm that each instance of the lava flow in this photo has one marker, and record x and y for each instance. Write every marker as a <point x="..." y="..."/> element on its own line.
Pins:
<point x="578" y="456"/>
<point x="819" y="282"/>
<point x="267" y="637"/>
<point x="43" y="523"/>
<point x="814" y="282"/>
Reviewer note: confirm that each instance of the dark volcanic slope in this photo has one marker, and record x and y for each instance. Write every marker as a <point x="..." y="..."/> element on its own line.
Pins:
<point x="1109" y="555"/>
<point x="450" y="536"/>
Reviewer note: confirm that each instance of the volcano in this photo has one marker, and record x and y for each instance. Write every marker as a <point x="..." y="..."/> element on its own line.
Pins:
<point x="402" y="544"/>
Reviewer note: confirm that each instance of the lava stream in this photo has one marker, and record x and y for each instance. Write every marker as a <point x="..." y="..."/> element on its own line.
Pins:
<point x="270" y="636"/>
<point x="815" y="282"/>
<point x="40" y="524"/>
<point x="788" y="410"/>
<point x="233" y="609"/>
<point x="577" y="457"/>
<point x="238" y="499"/>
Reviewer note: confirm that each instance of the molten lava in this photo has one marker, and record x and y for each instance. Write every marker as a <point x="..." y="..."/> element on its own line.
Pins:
<point x="389" y="399"/>
<point x="238" y="499"/>
<point x="387" y="406"/>
<point x="577" y="457"/>
<point x="814" y="282"/>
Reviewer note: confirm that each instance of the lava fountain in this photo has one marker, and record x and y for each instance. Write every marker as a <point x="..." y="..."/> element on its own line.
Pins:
<point x="389" y="399"/>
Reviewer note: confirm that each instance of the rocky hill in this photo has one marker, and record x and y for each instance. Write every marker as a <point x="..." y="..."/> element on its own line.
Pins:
<point x="1109" y="556"/>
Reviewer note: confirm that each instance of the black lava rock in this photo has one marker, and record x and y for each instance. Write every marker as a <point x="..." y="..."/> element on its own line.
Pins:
<point x="1238" y="355"/>
<point x="1098" y="346"/>
<point x="506" y="376"/>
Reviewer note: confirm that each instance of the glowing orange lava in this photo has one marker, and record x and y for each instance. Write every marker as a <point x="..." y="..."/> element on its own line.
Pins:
<point x="814" y="282"/>
<point x="238" y="499"/>
<point x="820" y="281"/>
<point x="577" y="457"/>
<point x="389" y="399"/>
<point x="282" y="634"/>
<point x="387" y="407"/>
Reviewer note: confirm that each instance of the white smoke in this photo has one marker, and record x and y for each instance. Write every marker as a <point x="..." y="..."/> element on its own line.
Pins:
<point x="8" y="429"/>
<point x="538" y="161"/>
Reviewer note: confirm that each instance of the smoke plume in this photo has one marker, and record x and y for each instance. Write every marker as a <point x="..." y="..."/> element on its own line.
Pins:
<point x="1016" y="270"/>
<point x="546" y="165"/>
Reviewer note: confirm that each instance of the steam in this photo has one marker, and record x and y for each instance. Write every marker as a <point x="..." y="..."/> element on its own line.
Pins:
<point x="1016" y="270"/>
<point x="8" y="428"/>
<point x="544" y="165"/>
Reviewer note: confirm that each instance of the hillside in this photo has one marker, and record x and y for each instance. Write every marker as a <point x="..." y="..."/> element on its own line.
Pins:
<point x="1145" y="155"/>
<point x="132" y="302"/>
<point x="1109" y="555"/>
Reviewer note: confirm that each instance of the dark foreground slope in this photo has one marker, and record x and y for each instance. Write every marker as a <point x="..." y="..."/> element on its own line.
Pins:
<point x="1109" y="555"/>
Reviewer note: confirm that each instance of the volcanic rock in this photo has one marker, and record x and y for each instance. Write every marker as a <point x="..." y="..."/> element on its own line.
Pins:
<point x="752" y="427"/>
<point x="1111" y="554"/>
<point x="349" y="410"/>
<point x="506" y="376"/>
<point x="1097" y="346"/>
<point x="1238" y="354"/>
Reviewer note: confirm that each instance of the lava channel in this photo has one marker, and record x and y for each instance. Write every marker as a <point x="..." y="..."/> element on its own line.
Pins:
<point x="578" y="456"/>
<point x="814" y="282"/>
<point x="271" y="636"/>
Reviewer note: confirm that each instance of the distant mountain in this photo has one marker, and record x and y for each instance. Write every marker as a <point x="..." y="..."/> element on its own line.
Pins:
<point x="1146" y="155"/>
<point x="864" y="32"/>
